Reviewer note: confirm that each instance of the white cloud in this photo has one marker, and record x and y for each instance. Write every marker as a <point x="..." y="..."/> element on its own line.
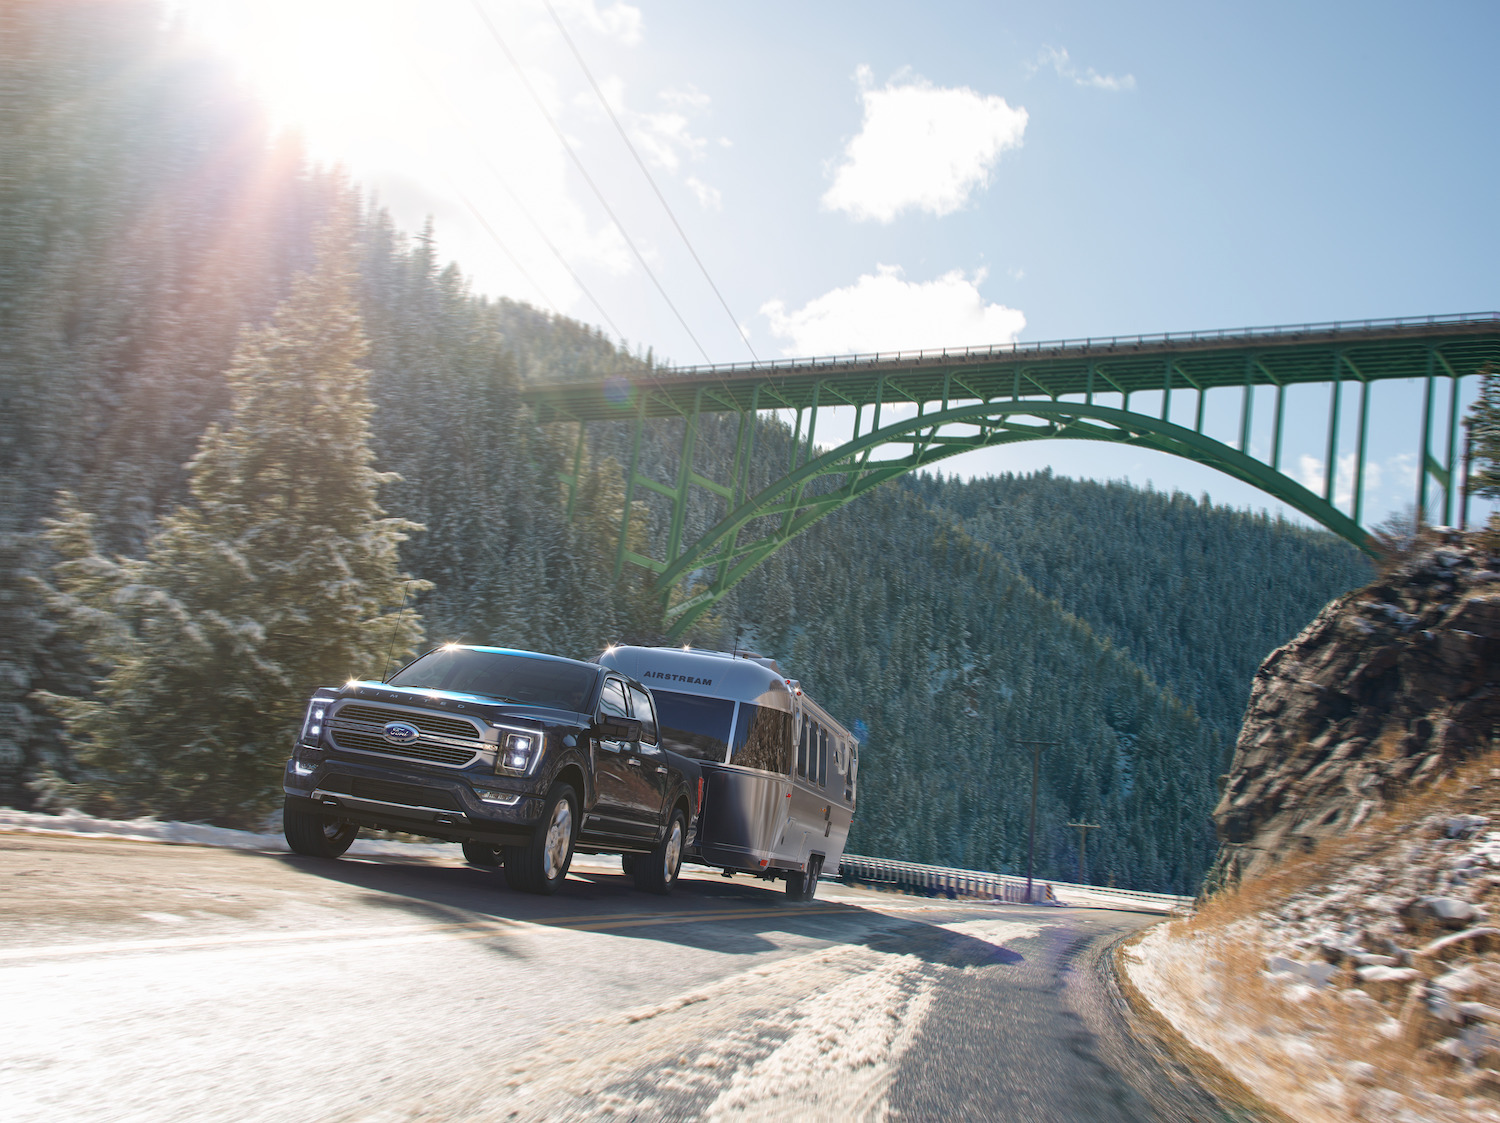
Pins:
<point x="1057" y="58"/>
<point x="709" y="198"/>
<point x="689" y="97"/>
<point x="1310" y="474"/>
<point x="921" y="147"/>
<point x="618" y="21"/>
<point x="884" y="312"/>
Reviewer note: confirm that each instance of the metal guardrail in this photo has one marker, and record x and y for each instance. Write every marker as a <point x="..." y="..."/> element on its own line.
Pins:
<point x="914" y="877"/>
<point x="1111" y="342"/>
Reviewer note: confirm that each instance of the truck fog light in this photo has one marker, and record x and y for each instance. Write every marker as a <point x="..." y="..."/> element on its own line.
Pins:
<point x="504" y="799"/>
<point x="303" y="768"/>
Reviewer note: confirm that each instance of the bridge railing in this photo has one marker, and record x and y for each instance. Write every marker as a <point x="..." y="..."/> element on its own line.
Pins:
<point x="1111" y="342"/>
<point x="945" y="881"/>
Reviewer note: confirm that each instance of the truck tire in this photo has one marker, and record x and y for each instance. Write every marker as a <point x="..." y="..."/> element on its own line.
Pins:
<point x="627" y="864"/>
<point x="541" y="866"/>
<point x="478" y="854"/>
<point x="314" y="833"/>
<point x="657" y="871"/>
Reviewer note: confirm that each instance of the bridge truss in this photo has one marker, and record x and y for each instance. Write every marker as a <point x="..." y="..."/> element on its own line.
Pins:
<point x="985" y="397"/>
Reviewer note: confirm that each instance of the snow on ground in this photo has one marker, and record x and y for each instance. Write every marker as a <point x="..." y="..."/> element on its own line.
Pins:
<point x="1363" y="986"/>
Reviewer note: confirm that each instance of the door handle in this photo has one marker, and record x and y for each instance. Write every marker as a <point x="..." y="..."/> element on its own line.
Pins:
<point x="633" y="761"/>
<point x="661" y="769"/>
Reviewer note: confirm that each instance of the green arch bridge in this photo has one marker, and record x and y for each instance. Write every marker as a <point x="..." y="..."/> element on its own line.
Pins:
<point x="983" y="397"/>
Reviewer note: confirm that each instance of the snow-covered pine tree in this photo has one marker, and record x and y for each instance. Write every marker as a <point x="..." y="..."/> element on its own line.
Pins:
<point x="279" y="575"/>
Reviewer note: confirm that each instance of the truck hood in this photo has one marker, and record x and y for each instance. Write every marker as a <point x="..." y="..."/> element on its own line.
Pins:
<point x="470" y="705"/>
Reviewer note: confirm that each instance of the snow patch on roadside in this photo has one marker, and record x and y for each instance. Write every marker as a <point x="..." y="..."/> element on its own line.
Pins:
<point x="841" y="1053"/>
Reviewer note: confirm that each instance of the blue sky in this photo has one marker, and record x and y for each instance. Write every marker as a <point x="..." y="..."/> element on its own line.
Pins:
<point x="860" y="176"/>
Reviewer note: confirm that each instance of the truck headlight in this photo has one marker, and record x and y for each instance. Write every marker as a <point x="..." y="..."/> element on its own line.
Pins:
<point x="517" y="752"/>
<point x="312" y="724"/>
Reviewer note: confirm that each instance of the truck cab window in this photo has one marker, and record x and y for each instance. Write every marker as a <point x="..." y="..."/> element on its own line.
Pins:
<point x="640" y="707"/>
<point x="612" y="698"/>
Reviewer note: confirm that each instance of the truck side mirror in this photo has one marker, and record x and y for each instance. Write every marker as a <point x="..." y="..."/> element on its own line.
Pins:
<point x="609" y="727"/>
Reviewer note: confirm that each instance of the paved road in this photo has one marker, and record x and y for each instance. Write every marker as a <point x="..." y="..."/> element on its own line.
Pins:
<point x="146" y="981"/>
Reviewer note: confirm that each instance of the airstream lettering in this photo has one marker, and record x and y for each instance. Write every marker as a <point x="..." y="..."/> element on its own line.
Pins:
<point x="779" y="773"/>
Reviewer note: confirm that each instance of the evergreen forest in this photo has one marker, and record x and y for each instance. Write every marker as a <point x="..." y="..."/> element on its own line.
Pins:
<point x="256" y="439"/>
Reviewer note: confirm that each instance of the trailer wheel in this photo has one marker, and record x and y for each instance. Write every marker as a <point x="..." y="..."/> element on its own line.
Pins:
<point x="541" y="865"/>
<point x="478" y="854"/>
<point x="814" y="871"/>
<point x="314" y="833"/>
<point x="657" y="871"/>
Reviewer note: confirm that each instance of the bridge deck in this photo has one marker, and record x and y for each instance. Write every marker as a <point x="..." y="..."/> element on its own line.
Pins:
<point x="1364" y="351"/>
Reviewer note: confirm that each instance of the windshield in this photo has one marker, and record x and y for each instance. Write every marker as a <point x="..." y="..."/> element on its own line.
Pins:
<point x="693" y="726"/>
<point x="502" y="675"/>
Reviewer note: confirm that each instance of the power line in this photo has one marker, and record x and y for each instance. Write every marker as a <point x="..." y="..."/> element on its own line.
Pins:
<point x="541" y="105"/>
<point x="514" y="198"/>
<point x="473" y="210"/>
<point x="649" y="179"/>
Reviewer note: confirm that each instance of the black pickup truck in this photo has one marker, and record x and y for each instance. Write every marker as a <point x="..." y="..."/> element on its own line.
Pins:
<point x="523" y="758"/>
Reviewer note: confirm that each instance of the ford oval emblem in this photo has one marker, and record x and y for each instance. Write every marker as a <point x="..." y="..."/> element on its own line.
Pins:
<point x="399" y="733"/>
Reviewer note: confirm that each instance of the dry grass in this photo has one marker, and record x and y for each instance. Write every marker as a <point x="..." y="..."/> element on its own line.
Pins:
<point x="1302" y="1047"/>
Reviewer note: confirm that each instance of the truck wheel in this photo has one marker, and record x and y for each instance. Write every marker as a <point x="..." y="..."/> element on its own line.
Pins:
<point x="627" y="864"/>
<point x="478" y="854"/>
<point x="541" y="865"/>
<point x="814" y="871"/>
<point x="315" y="834"/>
<point x="796" y="885"/>
<point x="657" y="871"/>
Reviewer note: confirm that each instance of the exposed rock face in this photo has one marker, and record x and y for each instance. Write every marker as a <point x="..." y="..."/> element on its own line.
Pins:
<point x="1386" y="690"/>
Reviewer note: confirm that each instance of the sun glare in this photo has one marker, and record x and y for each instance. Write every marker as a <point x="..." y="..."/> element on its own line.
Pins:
<point x="326" y="69"/>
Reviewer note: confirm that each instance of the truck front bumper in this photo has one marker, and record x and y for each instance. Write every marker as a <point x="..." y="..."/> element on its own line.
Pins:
<point x="438" y="806"/>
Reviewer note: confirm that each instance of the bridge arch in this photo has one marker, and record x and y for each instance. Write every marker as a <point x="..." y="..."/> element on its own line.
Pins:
<point x="723" y="550"/>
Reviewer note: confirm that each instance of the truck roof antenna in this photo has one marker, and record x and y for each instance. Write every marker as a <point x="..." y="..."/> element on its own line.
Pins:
<point x="395" y="631"/>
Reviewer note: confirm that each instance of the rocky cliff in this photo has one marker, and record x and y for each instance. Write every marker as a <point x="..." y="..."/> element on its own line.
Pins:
<point x="1387" y="690"/>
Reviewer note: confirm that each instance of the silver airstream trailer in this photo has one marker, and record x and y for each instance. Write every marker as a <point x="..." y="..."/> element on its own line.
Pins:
<point x="779" y="772"/>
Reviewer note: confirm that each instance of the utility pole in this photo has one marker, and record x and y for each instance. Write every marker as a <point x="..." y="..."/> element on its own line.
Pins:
<point x="1036" y="767"/>
<point x="1083" y="838"/>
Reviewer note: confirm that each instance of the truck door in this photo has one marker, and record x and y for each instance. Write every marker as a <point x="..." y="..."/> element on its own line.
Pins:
<point x="617" y="774"/>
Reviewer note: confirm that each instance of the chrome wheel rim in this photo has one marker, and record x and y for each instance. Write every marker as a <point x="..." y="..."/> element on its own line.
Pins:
<point x="332" y="828"/>
<point x="674" y="851"/>
<point x="559" y="835"/>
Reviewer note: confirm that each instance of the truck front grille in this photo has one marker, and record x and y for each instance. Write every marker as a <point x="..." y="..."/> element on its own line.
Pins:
<point x="363" y="742"/>
<point x="434" y="724"/>
<point x="449" y="741"/>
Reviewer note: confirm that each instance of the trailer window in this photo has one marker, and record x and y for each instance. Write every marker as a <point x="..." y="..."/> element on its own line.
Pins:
<point x="802" y="748"/>
<point x="763" y="739"/>
<point x="822" y="758"/>
<point x="694" y="726"/>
